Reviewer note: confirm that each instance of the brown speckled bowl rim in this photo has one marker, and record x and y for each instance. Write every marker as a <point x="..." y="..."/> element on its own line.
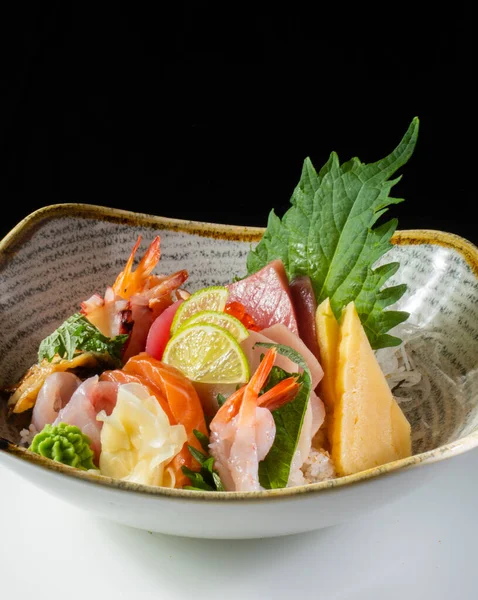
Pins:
<point x="24" y="229"/>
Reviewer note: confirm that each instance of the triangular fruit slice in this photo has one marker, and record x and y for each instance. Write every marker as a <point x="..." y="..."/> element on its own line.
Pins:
<point x="369" y="428"/>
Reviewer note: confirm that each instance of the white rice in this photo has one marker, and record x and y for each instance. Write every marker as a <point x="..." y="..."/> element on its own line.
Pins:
<point x="318" y="466"/>
<point x="27" y="435"/>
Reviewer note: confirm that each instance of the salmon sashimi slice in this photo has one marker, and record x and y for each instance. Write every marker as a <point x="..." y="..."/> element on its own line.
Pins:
<point x="266" y="296"/>
<point x="178" y="398"/>
<point x="118" y="376"/>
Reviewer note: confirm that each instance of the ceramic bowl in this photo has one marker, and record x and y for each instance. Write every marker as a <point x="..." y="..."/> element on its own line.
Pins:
<point x="61" y="254"/>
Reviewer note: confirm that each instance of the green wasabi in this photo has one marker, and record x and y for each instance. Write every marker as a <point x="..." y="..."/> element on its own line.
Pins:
<point x="65" y="444"/>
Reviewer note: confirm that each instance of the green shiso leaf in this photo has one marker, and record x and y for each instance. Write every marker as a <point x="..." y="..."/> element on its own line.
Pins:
<point x="78" y="334"/>
<point x="274" y="470"/>
<point x="329" y="233"/>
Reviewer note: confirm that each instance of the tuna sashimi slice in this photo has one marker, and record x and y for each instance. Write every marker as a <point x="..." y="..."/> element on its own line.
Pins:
<point x="305" y="305"/>
<point x="266" y="296"/>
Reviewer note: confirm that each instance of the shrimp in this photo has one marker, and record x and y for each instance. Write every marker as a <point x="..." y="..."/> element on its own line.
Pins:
<point x="146" y="306"/>
<point x="140" y="282"/>
<point x="243" y="429"/>
<point x="158" y="292"/>
<point x="135" y="299"/>
<point x="129" y="281"/>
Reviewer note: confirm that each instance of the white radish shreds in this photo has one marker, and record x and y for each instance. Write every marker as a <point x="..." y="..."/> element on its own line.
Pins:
<point x="400" y="371"/>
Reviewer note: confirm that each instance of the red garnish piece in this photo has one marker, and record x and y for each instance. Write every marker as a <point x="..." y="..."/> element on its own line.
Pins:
<point x="236" y="309"/>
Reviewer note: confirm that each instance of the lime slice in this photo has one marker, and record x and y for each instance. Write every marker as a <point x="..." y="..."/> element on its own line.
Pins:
<point x="222" y="319"/>
<point x="209" y="298"/>
<point x="207" y="353"/>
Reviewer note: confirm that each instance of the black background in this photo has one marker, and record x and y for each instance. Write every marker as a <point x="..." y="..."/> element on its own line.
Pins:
<point x="207" y="110"/>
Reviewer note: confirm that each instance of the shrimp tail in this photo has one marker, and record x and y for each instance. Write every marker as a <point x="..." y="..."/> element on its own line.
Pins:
<point x="150" y="259"/>
<point x="277" y="396"/>
<point x="231" y="407"/>
<point x="233" y="404"/>
<point x="131" y="281"/>
<point x="280" y="394"/>
<point x="258" y="380"/>
<point x="121" y="281"/>
<point x="156" y="295"/>
<point x="243" y="429"/>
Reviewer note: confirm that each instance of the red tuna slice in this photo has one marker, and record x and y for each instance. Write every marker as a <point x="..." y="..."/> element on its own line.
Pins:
<point x="305" y="305"/>
<point x="142" y="318"/>
<point x="266" y="296"/>
<point x="160" y="331"/>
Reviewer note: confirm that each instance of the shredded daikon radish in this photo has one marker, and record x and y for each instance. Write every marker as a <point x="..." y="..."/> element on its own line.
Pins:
<point x="400" y="370"/>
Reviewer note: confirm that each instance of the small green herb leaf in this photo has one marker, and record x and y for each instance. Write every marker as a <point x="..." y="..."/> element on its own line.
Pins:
<point x="202" y="439"/>
<point x="199" y="456"/>
<point x="78" y="334"/>
<point x="221" y="399"/>
<point x="197" y="481"/>
<point x="206" y="479"/>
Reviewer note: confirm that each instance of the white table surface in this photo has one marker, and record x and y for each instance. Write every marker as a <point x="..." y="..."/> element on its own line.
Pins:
<point x="421" y="547"/>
